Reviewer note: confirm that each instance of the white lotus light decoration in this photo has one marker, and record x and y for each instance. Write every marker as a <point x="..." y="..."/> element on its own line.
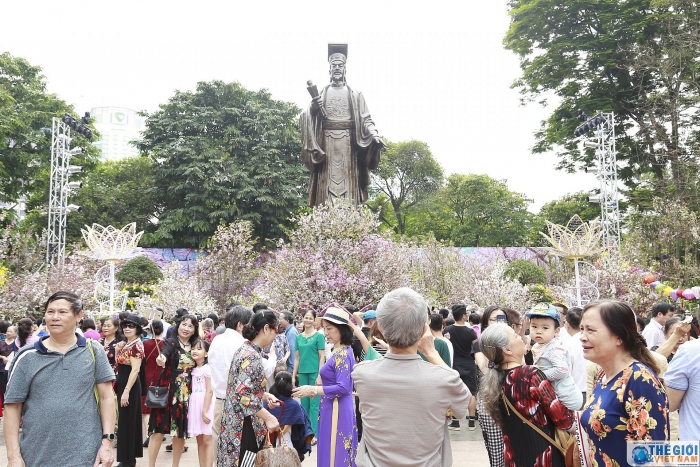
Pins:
<point x="576" y="240"/>
<point x="111" y="245"/>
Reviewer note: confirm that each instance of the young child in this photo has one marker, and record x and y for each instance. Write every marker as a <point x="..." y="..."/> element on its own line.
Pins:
<point x="201" y="408"/>
<point x="550" y="356"/>
<point x="300" y="435"/>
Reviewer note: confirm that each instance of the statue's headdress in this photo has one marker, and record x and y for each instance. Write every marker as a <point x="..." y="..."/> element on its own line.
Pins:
<point x="337" y="52"/>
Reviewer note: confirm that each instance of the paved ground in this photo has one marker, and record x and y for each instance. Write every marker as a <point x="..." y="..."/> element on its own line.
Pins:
<point x="467" y="451"/>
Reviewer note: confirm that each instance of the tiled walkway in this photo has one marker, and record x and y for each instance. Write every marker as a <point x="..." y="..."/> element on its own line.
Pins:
<point x="467" y="451"/>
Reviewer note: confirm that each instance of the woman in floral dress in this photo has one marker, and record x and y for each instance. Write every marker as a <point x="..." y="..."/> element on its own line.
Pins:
<point x="177" y="363"/>
<point x="244" y="420"/>
<point x="129" y="360"/>
<point x="529" y="392"/>
<point x="628" y="403"/>
<point x="336" y="448"/>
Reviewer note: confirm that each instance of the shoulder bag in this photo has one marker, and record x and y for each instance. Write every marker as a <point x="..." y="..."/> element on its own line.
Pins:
<point x="280" y="456"/>
<point x="97" y="395"/>
<point x="157" y="396"/>
<point x="564" y="441"/>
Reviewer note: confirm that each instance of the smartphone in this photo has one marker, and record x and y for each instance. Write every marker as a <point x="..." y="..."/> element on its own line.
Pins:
<point x="502" y="319"/>
<point x="43" y="321"/>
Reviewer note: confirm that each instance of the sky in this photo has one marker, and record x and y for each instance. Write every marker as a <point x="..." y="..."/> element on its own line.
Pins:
<point x="433" y="71"/>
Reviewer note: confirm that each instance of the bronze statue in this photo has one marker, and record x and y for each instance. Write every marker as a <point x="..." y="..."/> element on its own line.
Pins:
<point x="340" y="144"/>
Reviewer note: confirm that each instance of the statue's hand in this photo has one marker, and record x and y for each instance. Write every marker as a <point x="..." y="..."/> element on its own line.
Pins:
<point x="378" y="140"/>
<point x="316" y="103"/>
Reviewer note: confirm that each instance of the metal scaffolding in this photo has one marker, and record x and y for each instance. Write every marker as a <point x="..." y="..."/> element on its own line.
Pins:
<point x="58" y="193"/>
<point x="603" y="142"/>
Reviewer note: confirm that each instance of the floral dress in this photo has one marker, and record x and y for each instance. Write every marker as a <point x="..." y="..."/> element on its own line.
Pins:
<point x="531" y="393"/>
<point x="244" y="397"/>
<point x="337" y="386"/>
<point x="632" y="406"/>
<point x="111" y="352"/>
<point x="178" y="375"/>
<point x="130" y="441"/>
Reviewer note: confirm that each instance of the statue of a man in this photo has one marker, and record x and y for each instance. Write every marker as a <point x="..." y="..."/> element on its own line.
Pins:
<point x="340" y="144"/>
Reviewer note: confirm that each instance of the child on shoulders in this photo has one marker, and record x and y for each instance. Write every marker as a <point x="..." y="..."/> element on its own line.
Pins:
<point x="551" y="356"/>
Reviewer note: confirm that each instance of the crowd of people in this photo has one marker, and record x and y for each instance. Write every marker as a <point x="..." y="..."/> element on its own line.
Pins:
<point x="375" y="387"/>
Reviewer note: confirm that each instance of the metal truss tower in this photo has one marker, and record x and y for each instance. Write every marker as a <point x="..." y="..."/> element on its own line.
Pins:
<point x="604" y="144"/>
<point x="58" y="193"/>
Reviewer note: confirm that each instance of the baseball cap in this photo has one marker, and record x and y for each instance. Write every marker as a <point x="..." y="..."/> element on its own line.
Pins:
<point x="544" y="310"/>
<point x="370" y="314"/>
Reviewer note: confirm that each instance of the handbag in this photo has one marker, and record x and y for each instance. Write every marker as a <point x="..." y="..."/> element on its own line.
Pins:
<point x="142" y="369"/>
<point x="281" y="456"/>
<point x="565" y="442"/>
<point x="157" y="396"/>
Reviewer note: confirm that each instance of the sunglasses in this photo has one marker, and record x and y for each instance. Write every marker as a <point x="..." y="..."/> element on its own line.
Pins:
<point x="128" y="326"/>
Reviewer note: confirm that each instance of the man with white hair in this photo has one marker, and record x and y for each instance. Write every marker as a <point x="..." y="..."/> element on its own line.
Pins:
<point x="405" y="401"/>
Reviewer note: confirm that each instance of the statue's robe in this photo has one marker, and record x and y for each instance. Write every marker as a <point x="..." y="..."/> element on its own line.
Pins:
<point x="339" y="149"/>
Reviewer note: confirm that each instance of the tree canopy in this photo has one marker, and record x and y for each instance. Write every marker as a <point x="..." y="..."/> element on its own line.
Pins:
<point x="116" y="193"/>
<point x="636" y="58"/>
<point x="482" y="211"/>
<point x="222" y="154"/>
<point x="26" y="111"/>
<point x="407" y="174"/>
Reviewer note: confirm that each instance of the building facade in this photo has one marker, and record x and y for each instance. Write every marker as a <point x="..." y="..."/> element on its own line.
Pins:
<point x="20" y="207"/>
<point x="118" y="128"/>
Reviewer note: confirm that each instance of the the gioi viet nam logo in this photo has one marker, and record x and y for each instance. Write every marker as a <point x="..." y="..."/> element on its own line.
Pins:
<point x="663" y="453"/>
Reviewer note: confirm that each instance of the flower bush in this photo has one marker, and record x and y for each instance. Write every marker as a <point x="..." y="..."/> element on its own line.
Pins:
<point x="439" y="273"/>
<point x="136" y="291"/>
<point x="619" y="280"/>
<point x="26" y="291"/>
<point x="176" y="290"/>
<point x="334" y="255"/>
<point x="485" y="284"/>
<point x="228" y="268"/>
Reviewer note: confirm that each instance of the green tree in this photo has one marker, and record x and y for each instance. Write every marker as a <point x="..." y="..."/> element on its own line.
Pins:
<point x="484" y="212"/>
<point x="223" y="154"/>
<point x="407" y="174"/>
<point x="113" y="193"/>
<point x="116" y="193"/>
<point x="139" y="271"/>
<point x="637" y="58"/>
<point x="526" y="272"/>
<point x="560" y="211"/>
<point x="26" y="110"/>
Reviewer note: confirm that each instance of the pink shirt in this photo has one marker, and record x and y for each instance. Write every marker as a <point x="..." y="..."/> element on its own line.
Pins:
<point x="30" y="340"/>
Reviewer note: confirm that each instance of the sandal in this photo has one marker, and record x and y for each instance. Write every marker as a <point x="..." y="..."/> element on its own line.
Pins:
<point x="169" y="448"/>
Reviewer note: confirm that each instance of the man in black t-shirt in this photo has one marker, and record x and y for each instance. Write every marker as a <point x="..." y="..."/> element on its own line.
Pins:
<point x="462" y="338"/>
